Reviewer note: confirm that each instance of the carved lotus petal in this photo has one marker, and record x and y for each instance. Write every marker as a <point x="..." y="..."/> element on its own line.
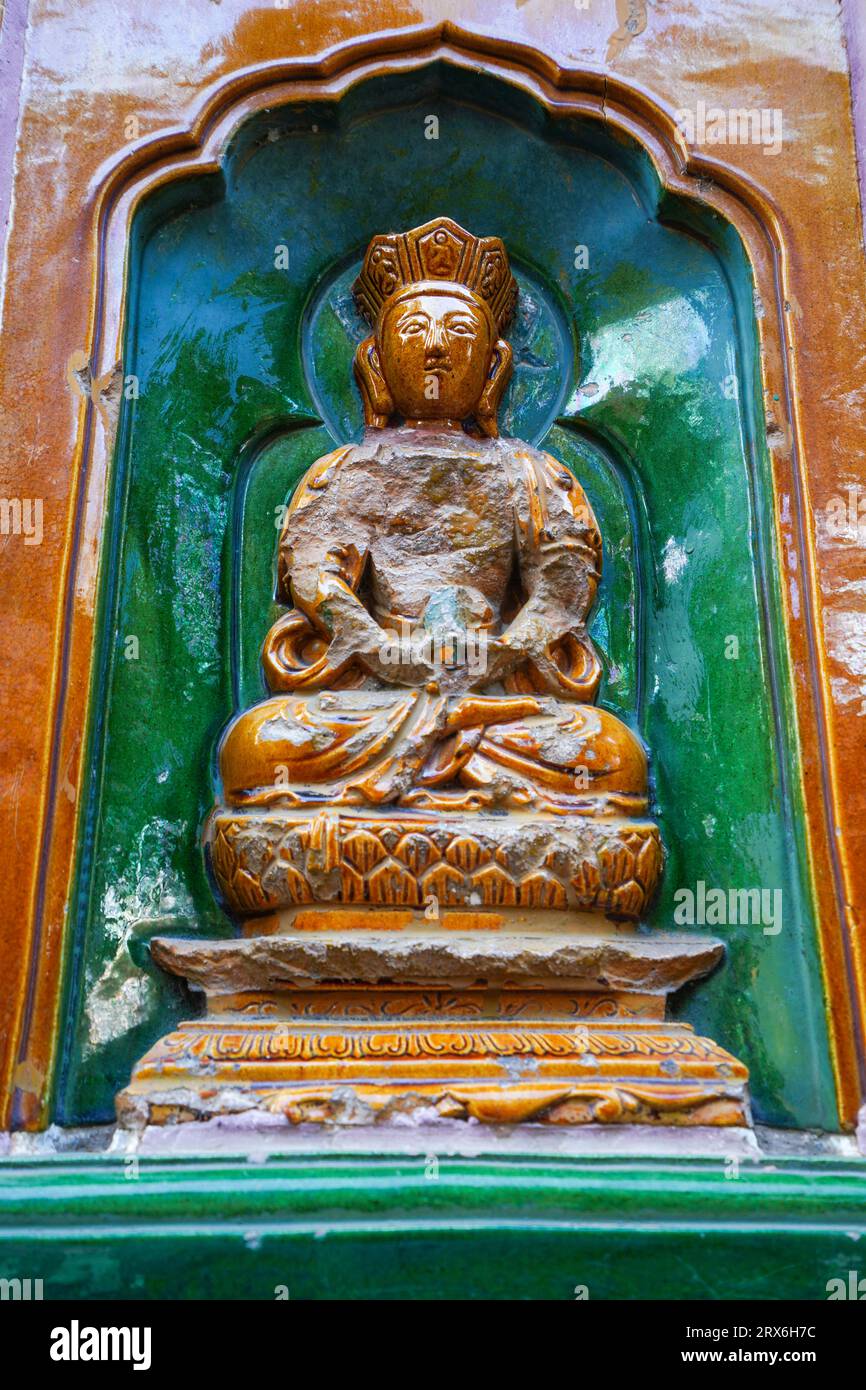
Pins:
<point x="617" y="865"/>
<point x="466" y="853"/>
<point x="417" y="852"/>
<point x="497" y="887"/>
<point x="390" y="883"/>
<point x="364" y="850"/>
<point x="627" y="900"/>
<point x="586" y="884"/>
<point x="351" y="885"/>
<point x="445" y="883"/>
<point x="541" y="890"/>
<point x="649" y="863"/>
<point x="284" y="881"/>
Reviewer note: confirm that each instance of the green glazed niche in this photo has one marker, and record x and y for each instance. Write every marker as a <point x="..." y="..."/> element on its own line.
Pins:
<point x="638" y="369"/>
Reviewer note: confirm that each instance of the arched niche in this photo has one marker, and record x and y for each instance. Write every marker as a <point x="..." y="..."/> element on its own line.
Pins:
<point x="640" y="371"/>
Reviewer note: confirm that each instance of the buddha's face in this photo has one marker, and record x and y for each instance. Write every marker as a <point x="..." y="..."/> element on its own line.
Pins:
<point x="435" y="353"/>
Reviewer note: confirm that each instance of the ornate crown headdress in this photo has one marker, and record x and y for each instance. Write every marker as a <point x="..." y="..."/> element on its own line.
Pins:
<point x="440" y="250"/>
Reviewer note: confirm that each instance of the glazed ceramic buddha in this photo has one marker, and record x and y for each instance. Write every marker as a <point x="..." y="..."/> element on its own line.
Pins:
<point x="432" y="837"/>
<point x="433" y="669"/>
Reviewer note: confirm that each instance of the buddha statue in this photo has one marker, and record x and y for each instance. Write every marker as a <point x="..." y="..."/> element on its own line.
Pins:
<point x="434" y="841"/>
<point x="434" y="657"/>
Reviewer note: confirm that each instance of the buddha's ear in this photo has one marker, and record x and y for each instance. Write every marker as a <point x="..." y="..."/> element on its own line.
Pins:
<point x="491" y="396"/>
<point x="378" y="402"/>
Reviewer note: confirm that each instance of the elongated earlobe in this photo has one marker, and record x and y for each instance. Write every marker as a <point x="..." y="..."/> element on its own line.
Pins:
<point x="377" y="399"/>
<point x="501" y="363"/>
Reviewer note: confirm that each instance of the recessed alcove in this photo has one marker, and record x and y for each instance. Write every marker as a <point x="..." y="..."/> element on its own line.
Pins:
<point x="637" y="369"/>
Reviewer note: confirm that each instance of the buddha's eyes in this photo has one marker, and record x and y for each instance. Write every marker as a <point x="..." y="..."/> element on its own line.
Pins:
<point x="416" y="324"/>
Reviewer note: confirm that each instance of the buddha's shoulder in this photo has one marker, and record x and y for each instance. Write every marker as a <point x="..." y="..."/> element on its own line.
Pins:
<point x="536" y="464"/>
<point x="548" y="493"/>
<point x="375" y="451"/>
<point x="325" y="469"/>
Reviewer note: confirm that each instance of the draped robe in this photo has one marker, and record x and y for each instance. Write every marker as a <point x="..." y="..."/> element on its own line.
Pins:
<point x="411" y="534"/>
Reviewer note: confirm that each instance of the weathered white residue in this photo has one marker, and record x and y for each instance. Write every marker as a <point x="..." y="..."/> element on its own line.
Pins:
<point x="121" y="995"/>
<point x="845" y="636"/>
<point x="674" y="560"/>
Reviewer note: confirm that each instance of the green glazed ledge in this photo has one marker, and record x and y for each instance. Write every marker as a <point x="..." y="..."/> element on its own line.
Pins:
<point x="368" y="1227"/>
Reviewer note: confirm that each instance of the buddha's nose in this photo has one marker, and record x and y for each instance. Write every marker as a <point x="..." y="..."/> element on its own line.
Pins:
<point x="435" y="344"/>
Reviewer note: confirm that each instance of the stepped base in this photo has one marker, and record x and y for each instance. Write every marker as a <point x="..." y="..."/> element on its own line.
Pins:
<point x="611" y="1073"/>
<point x="502" y="1027"/>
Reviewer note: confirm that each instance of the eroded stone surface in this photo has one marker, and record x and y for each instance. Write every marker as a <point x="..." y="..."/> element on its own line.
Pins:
<point x="653" y="964"/>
